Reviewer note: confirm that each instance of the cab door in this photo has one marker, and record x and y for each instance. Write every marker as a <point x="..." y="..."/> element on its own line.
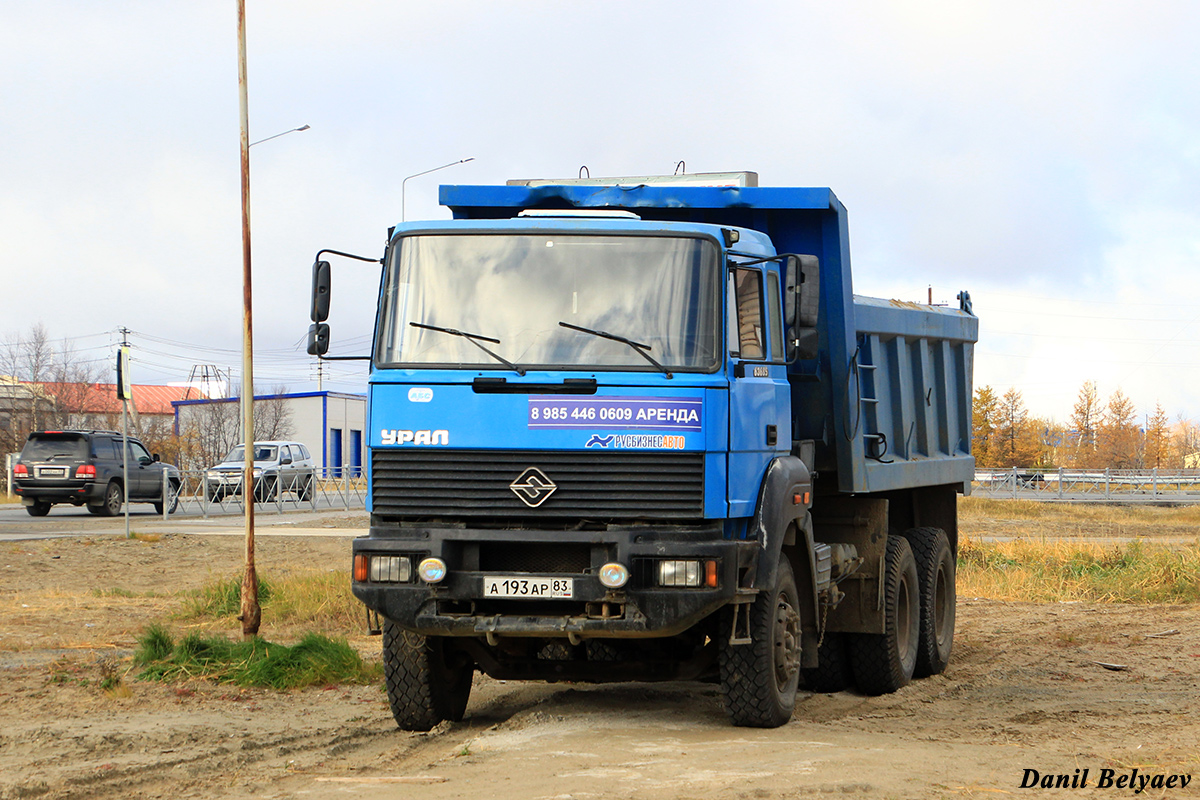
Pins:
<point x="759" y="400"/>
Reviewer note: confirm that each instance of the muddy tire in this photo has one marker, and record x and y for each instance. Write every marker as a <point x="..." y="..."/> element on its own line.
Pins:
<point x="832" y="673"/>
<point x="425" y="684"/>
<point x="759" y="680"/>
<point x="935" y="575"/>
<point x="883" y="663"/>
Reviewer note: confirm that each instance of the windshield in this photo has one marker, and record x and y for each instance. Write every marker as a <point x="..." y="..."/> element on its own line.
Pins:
<point x="261" y="453"/>
<point x="512" y="293"/>
<point x="49" y="447"/>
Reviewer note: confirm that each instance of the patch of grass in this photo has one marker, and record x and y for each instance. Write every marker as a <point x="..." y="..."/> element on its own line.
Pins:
<point x="223" y="598"/>
<point x="154" y="645"/>
<point x="984" y="509"/>
<point x="1135" y="572"/>
<point x="316" y="600"/>
<point x="315" y="660"/>
<point x="115" y="591"/>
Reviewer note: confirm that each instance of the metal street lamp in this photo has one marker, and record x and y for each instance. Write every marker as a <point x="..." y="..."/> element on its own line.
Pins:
<point x="426" y="172"/>
<point x="276" y="136"/>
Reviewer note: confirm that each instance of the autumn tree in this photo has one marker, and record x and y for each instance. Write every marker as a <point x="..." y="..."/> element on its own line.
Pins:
<point x="985" y="416"/>
<point x="1085" y="418"/>
<point x="1156" y="450"/>
<point x="1117" y="436"/>
<point x="1017" y="439"/>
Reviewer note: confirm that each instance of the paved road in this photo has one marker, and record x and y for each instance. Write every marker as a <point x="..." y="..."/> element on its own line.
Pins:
<point x="17" y="525"/>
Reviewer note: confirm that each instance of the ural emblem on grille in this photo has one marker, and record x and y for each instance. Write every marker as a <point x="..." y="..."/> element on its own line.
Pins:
<point x="533" y="487"/>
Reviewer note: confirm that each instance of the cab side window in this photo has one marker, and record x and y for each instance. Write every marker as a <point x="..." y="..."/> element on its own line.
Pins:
<point x="775" y="318"/>
<point x="746" y="335"/>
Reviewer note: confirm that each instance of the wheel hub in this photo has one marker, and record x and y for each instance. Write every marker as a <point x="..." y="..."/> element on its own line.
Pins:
<point x="787" y="641"/>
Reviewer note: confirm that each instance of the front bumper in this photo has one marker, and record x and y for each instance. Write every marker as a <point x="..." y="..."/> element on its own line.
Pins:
<point x="641" y="609"/>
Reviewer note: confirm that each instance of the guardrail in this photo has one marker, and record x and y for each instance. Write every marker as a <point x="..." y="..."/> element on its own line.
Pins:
<point x="1114" y="485"/>
<point x="324" y="489"/>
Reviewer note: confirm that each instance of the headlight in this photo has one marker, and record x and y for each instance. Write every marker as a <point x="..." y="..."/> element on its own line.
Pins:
<point x="687" y="573"/>
<point x="386" y="569"/>
<point x="432" y="570"/>
<point x="614" y="575"/>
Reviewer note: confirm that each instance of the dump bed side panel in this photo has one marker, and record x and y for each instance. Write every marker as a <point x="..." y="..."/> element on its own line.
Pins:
<point x="912" y="395"/>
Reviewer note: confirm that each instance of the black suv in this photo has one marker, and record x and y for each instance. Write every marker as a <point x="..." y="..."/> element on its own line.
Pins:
<point x="79" y="467"/>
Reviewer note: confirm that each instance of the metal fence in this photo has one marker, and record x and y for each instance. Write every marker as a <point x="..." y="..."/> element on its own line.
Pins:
<point x="326" y="489"/>
<point x="1113" y="485"/>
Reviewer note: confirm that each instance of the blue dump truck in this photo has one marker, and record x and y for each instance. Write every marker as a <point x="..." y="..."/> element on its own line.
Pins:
<point x="642" y="430"/>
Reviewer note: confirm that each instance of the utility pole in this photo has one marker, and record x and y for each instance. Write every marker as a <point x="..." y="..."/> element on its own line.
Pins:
<point x="251" y="614"/>
<point x="124" y="390"/>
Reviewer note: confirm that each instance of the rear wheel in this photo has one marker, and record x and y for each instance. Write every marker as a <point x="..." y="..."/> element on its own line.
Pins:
<point x="935" y="574"/>
<point x="306" y="489"/>
<point x="759" y="680"/>
<point x="425" y="683"/>
<point x="39" y="508"/>
<point x="883" y="663"/>
<point x="832" y="673"/>
<point x="113" y="500"/>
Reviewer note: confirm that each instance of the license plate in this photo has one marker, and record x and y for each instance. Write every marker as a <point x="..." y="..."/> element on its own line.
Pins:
<point x="57" y="472"/>
<point x="529" y="588"/>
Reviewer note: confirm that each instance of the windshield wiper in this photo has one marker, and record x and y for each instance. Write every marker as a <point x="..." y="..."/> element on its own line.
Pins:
<point x="474" y="339"/>
<point x="638" y="346"/>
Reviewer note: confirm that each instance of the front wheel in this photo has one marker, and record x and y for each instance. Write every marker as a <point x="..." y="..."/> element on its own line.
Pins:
<point x="883" y="663"/>
<point x="265" y="490"/>
<point x="172" y="499"/>
<point x="759" y="679"/>
<point x="425" y="683"/>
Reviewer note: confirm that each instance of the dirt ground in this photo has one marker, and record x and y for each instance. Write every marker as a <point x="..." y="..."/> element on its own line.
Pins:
<point x="1023" y="692"/>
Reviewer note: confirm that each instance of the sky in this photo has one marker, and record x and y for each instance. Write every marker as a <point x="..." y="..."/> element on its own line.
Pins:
<point x="1044" y="156"/>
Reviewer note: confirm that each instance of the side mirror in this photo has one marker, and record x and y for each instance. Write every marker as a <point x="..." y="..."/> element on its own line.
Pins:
<point x="320" y="291"/>
<point x="155" y="459"/>
<point x="801" y="305"/>
<point x="285" y="461"/>
<point x="318" y="339"/>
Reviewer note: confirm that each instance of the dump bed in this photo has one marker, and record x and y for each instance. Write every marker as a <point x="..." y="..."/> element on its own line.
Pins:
<point x="888" y="398"/>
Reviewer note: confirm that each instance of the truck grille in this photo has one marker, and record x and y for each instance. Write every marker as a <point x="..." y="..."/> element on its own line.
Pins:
<point x="476" y="483"/>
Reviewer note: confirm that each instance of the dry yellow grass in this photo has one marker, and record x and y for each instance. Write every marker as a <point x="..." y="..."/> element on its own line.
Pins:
<point x="1037" y="554"/>
<point x="1029" y="519"/>
<point x="1134" y="572"/>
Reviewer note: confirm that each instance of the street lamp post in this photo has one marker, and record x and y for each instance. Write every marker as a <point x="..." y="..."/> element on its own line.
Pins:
<point x="251" y="613"/>
<point x="276" y="136"/>
<point x="426" y="172"/>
